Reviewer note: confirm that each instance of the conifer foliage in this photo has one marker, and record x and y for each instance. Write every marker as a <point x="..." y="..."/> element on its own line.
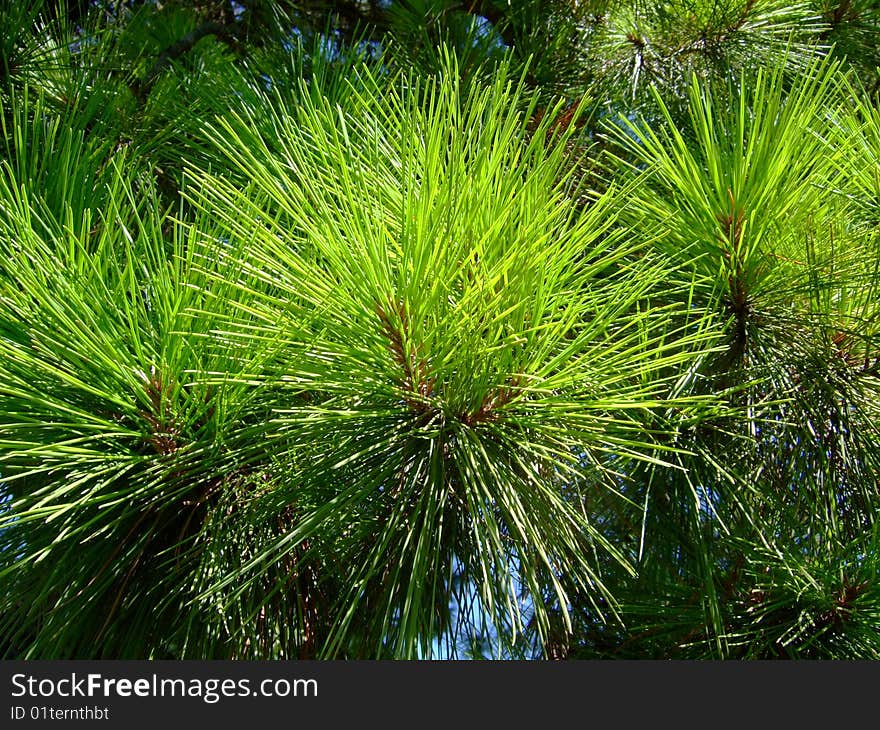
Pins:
<point x="434" y="329"/>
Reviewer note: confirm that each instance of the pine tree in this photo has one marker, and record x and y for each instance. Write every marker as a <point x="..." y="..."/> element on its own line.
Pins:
<point x="427" y="328"/>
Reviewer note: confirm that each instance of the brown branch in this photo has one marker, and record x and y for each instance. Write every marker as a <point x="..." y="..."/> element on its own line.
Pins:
<point x="415" y="378"/>
<point x="498" y="18"/>
<point x="732" y="223"/>
<point x="492" y="402"/>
